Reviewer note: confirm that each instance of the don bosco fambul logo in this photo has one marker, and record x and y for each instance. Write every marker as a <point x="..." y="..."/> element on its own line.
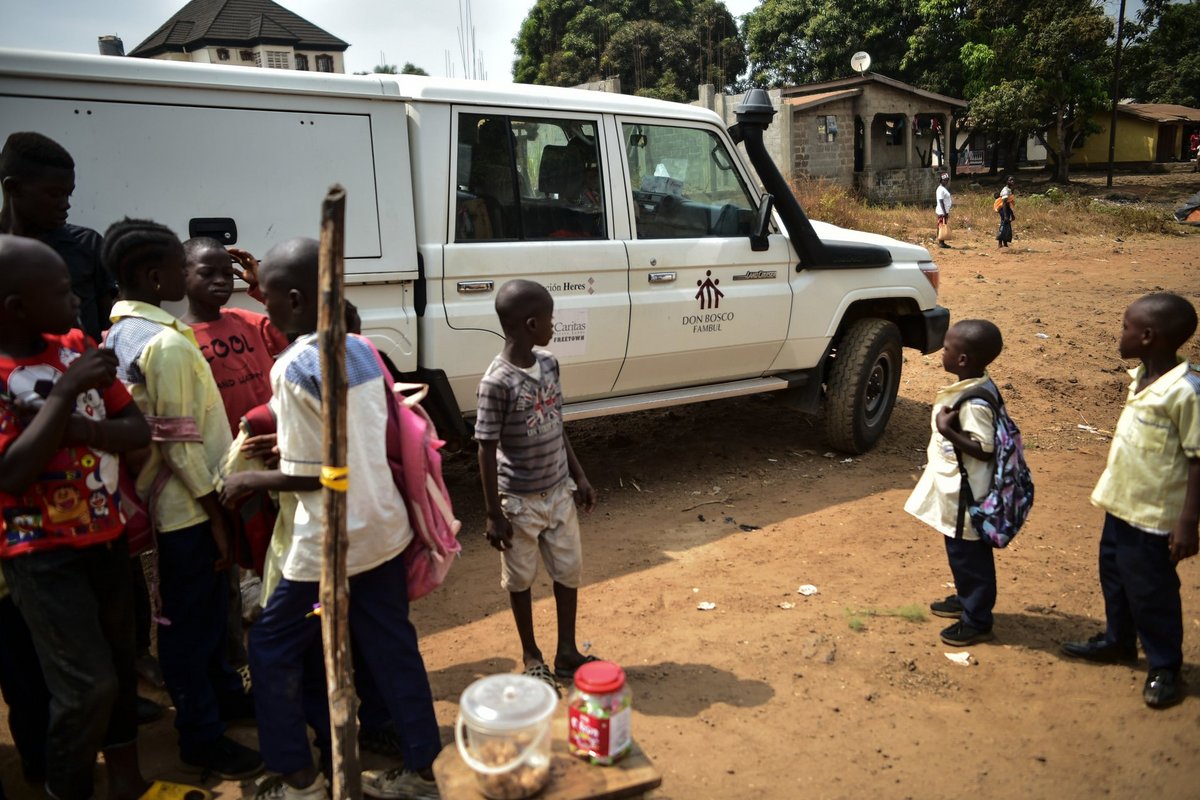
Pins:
<point x="710" y="299"/>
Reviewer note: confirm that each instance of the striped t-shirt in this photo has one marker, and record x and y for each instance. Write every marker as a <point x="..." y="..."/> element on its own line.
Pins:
<point x="523" y="414"/>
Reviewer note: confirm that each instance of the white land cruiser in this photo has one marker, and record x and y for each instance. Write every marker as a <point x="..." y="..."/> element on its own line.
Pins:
<point x="674" y="279"/>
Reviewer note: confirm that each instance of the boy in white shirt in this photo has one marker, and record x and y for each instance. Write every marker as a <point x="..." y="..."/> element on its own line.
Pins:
<point x="942" y="202"/>
<point x="969" y="432"/>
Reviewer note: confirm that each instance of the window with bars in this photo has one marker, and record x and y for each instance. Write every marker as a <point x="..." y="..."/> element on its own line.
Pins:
<point x="246" y="55"/>
<point x="301" y="62"/>
<point x="277" y="59"/>
<point x="222" y="54"/>
<point x="324" y="63"/>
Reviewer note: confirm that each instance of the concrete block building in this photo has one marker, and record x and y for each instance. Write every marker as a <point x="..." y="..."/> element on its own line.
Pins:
<point x="247" y="33"/>
<point x="885" y="138"/>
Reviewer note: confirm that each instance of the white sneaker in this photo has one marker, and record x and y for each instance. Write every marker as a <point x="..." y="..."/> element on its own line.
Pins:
<point x="398" y="784"/>
<point x="273" y="787"/>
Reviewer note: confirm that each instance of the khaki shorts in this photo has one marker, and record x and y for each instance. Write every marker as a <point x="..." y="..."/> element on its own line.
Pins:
<point x="548" y="522"/>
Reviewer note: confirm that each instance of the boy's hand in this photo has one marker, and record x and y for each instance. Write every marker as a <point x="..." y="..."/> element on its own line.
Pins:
<point x="249" y="270"/>
<point x="1183" y="541"/>
<point x="262" y="447"/>
<point x="585" y="495"/>
<point x="947" y="421"/>
<point x="95" y="369"/>
<point x="238" y="486"/>
<point x="499" y="532"/>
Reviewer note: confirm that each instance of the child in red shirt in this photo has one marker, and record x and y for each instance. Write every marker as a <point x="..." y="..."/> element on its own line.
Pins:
<point x="63" y="417"/>
<point x="239" y="345"/>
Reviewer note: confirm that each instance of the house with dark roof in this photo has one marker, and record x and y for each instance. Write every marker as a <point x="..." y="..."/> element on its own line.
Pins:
<point x="248" y="33"/>
<point x="1147" y="134"/>
<point x="886" y="138"/>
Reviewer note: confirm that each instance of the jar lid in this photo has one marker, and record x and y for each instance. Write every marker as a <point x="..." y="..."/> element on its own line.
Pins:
<point x="507" y="703"/>
<point x="599" y="677"/>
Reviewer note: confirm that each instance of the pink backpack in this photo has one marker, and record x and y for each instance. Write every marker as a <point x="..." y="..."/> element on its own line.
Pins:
<point x="416" y="464"/>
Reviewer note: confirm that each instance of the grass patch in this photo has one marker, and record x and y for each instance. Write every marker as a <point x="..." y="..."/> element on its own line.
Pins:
<point x="857" y="618"/>
<point x="1044" y="211"/>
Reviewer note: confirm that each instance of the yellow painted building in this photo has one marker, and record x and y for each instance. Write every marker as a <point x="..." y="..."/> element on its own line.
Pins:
<point x="1146" y="133"/>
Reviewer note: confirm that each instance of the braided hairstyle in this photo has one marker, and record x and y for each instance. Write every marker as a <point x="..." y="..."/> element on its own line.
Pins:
<point x="132" y="245"/>
<point x="26" y="153"/>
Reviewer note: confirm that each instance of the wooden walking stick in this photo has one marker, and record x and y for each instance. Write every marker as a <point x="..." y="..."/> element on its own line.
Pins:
<point x="335" y="585"/>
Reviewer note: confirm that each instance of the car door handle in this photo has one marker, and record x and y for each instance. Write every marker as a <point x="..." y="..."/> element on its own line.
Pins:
<point x="662" y="277"/>
<point x="475" y="287"/>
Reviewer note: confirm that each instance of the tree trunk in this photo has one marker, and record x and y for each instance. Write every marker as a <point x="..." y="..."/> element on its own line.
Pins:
<point x="1060" y="166"/>
<point x="993" y="165"/>
<point x="335" y="584"/>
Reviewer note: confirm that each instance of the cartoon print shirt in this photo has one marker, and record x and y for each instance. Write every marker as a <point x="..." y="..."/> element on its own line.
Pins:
<point x="240" y="348"/>
<point x="73" y="503"/>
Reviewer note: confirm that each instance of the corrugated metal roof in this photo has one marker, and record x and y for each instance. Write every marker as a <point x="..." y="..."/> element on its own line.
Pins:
<point x="235" y="23"/>
<point x="814" y="100"/>
<point x="1161" y="112"/>
<point x="809" y="89"/>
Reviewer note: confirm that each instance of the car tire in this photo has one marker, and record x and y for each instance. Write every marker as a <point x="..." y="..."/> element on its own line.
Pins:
<point x="862" y="384"/>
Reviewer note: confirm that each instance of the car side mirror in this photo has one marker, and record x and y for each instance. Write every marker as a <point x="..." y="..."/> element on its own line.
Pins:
<point x="758" y="239"/>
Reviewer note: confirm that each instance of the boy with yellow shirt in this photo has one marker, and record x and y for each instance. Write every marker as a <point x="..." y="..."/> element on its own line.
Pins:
<point x="1150" y="491"/>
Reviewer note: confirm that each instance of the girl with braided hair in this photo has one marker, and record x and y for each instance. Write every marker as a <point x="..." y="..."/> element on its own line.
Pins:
<point x="169" y="379"/>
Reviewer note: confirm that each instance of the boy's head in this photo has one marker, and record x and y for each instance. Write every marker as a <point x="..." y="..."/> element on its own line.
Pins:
<point x="35" y="287"/>
<point x="526" y="312"/>
<point x="146" y="258"/>
<point x="969" y="347"/>
<point x="1156" y="324"/>
<point x="38" y="177"/>
<point x="288" y="280"/>
<point x="208" y="271"/>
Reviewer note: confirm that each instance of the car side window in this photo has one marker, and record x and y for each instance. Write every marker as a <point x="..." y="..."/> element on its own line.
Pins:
<point x="685" y="184"/>
<point x="524" y="178"/>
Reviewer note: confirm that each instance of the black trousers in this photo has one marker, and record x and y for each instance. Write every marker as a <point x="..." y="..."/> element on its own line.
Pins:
<point x="973" y="565"/>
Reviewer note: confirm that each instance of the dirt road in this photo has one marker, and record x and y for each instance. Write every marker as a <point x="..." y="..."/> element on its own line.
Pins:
<point x="834" y="697"/>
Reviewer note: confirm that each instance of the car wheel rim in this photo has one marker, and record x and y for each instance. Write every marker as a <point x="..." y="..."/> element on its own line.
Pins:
<point x="876" y="391"/>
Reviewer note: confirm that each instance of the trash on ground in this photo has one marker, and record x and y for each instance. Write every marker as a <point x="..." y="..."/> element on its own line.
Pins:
<point x="808" y="590"/>
<point x="706" y="606"/>
<point x="1042" y="335"/>
<point x="748" y="528"/>
<point x="963" y="659"/>
<point x="786" y="605"/>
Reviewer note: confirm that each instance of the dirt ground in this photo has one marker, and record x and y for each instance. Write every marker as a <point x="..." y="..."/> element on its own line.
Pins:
<point x="776" y="695"/>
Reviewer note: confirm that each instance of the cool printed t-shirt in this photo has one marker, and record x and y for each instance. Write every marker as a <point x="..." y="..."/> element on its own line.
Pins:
<point x="240" y="348"/>
<point x="934" y="500"/>
<point x="524" y="414"/>
<point x="73" y="502"/>
<point x="377" y="526"/>
<point x="1145" y="480"/>
<point x="942" y="201"/>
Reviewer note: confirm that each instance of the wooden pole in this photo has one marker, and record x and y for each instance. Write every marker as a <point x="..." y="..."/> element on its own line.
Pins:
<point x="335" y="585"/>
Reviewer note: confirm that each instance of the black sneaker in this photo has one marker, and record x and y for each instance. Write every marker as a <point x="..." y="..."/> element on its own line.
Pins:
<point x="225" y="759"/>
<point x="944" y="246"/>
<point x="148" y="711"/>
<point x="1102" y="651"/>
<point x="950" y="608"/>
<point x="960" y="634"/>
<point x="1162" y="688"/>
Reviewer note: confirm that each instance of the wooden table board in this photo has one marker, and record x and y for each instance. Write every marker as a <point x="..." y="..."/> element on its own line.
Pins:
<point x="571" y="778"/>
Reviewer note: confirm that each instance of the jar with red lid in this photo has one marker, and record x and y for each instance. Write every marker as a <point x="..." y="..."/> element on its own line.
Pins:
<point x="599" y="713"/>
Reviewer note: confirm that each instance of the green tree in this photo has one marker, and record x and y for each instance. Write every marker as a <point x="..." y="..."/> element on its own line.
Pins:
<point x="804" y="41"/>
<point x="1163" y="63"/>
<point x="662" y="48"/>
<point x="385" y="69"/>
<point x="410" y="68"/>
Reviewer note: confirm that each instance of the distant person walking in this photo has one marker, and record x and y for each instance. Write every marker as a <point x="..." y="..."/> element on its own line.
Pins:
<point x="1006" y="207"/>
<point x="942" y="203"/>
<point x="1194" y="143"/>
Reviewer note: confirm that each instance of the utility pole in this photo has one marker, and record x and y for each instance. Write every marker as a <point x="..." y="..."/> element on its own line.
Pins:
<point x="1116" y="94"/>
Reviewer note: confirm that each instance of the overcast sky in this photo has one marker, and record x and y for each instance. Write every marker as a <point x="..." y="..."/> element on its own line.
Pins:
<point x="420" y="31"/>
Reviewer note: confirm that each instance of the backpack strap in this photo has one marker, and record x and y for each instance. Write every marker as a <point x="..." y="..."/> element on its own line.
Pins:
<point x="989" y="394"/>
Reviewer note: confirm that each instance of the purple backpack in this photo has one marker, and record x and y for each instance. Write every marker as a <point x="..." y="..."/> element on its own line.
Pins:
<point x="1000" y="513"/>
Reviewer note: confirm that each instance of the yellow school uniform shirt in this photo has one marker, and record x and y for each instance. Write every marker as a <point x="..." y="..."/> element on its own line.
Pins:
<point x="934" y="500"/>
<point x="172" y="379"/>
<point x="1145" y="480"/>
